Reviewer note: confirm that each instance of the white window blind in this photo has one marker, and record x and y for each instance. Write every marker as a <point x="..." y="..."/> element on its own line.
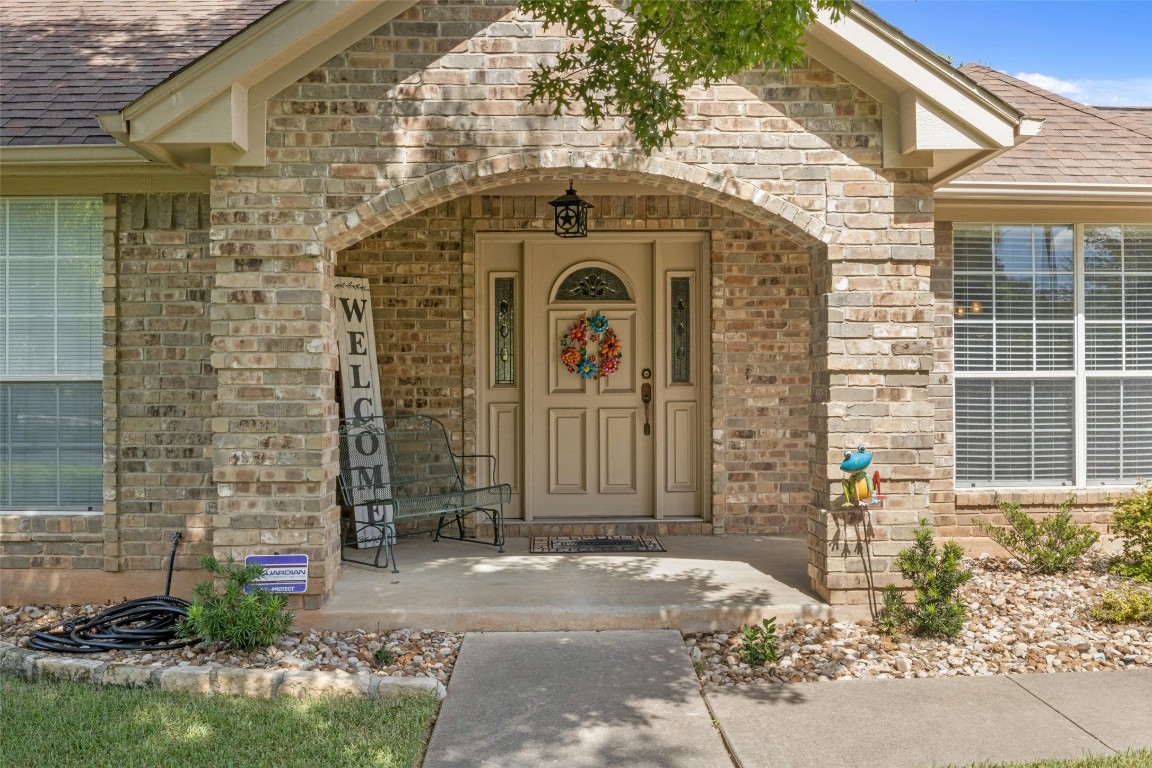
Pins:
<point x="1023" y="297"/>
<point x="1014" y="432"/>
<point x="1119" y="430"/>
<point x="50" y="353"/>
<point x="1014" y="298"/>
<point x="1118" y="352"/>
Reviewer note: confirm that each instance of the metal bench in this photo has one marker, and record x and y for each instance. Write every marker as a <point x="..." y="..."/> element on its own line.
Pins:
<point x="401" y="468"/>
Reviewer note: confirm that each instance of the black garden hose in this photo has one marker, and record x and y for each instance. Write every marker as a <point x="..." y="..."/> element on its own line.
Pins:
<point x="146" y="624"/>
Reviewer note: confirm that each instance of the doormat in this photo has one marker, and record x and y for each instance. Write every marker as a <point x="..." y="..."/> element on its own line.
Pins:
<point x="571" y="545"/>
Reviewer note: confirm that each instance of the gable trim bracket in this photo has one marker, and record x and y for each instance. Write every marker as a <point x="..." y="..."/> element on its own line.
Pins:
<point x="933" y="116"/>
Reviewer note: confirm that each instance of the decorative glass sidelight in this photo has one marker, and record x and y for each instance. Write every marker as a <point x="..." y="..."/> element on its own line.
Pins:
<point x="505" y="325"/>
<point x="593" y="283"/>
<point x="681" y="334"/>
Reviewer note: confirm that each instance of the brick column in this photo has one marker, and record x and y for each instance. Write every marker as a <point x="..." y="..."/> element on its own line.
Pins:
<point x="873" y="356"/>
<point x="274" y="425"/>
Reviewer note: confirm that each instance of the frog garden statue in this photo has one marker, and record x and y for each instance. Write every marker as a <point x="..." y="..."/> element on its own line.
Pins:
<point x="860" y="490"/>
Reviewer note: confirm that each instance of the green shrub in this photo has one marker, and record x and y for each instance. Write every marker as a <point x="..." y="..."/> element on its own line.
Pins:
<point x="1132" y="521"/>
<point x="761" y="645"/>
<point x="383" y="657"/>
<point x="936" y="576"/>
<point x="242" y="619"/>
<point x="1052" y="545"/>
<point x="1123" y="605"/>
<point x="893" y="614"/>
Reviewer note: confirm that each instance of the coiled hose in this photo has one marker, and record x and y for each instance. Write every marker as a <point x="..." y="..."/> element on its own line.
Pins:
<point x="146" y="624"/>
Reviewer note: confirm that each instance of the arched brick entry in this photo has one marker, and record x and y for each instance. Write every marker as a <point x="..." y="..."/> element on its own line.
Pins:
<point x="664" y="178"/>
<point x="663" y="175"/>
<point x="758" y="292"/>
<point x="858" y="352"/>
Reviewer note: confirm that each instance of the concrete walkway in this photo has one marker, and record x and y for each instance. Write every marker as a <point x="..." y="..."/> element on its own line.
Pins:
<point x="630" y="698"/>
<point x="937" y="721"/>
<point x="575" y="699"/>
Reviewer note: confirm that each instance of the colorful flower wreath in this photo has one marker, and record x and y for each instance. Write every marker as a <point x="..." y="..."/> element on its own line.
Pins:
<point x="574" y="348"/>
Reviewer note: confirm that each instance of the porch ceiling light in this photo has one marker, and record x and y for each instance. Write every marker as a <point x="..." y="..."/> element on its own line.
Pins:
<point x="571" y="214"/>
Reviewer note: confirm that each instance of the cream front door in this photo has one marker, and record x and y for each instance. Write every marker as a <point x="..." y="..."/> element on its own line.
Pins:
<point x="587" y="434"/>
<point x="632" y="444"/>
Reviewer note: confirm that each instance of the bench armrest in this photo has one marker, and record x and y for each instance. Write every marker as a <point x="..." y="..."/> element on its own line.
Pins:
<point x="488" y="456"/>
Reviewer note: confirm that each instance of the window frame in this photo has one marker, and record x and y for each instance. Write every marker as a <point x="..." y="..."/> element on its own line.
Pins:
<point x="95" y="507"/>
<point x="1079" y="375"/>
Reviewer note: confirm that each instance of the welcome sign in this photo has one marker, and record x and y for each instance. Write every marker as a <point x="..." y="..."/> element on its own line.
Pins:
<point x="360" y="387"/>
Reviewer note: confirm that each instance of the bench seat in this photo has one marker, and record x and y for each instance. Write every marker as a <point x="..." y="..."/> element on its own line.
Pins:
<point x="402" y="468"/>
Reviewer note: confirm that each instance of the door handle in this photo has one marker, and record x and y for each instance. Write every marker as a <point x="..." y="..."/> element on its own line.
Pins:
<point x="646" y="398"/>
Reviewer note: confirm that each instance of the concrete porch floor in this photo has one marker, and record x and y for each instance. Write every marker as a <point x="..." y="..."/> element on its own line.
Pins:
<point x="700" y="583"/>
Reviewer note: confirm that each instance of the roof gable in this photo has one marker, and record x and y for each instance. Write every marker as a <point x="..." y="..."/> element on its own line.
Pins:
<point x="213" y="112"/>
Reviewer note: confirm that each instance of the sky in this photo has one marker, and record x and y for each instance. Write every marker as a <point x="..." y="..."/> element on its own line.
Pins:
<point x="1097" y="52"/>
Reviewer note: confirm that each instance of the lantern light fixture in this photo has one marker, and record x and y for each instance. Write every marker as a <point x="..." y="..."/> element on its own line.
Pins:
<point x="571" y="214"/>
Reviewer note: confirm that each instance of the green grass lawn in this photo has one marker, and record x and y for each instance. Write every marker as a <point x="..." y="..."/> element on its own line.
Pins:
<point x="1139" y="759"/>
<point x="79" y="725"/>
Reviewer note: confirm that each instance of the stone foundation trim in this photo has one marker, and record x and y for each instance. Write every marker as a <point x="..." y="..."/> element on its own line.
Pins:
<point x="209" y="681"/>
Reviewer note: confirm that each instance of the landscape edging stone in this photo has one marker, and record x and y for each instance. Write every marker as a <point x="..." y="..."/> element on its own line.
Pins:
<point x="229" y="681"/>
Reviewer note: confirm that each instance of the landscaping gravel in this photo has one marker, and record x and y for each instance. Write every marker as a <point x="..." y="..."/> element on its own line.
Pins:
<point x="414" y="653"/>
<point x="1017" y="624"/>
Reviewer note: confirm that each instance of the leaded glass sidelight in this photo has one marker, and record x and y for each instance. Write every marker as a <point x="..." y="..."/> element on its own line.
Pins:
<point x="504" y="323"/>
<point x="593" y="283"/>
<point x="681" y="331"/>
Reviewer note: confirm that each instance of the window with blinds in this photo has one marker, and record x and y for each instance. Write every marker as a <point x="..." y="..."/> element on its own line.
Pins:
<point x="1053" y="345"/>
<point x="50" y="354"/>
<point x="1118" y="352"/>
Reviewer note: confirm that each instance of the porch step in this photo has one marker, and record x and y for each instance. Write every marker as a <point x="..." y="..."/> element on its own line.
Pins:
<point x="519" y="529"/>
<point x="699" y="583"/>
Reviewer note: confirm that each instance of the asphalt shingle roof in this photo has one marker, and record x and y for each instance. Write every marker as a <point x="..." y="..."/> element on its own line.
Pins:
<point x="1137" y="118"/>
<point x="1077" y="143"/>
<point x="64" y="61"/>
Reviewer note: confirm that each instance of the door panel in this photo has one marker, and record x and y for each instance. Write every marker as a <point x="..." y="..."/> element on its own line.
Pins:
<point x="504" y="442"/>
<point x="624" y="381"/>
<point x="681" y="460"/>
<point x="568" y="450"/>
<point x="618" y="450"/>
<point x="560" y="380"/>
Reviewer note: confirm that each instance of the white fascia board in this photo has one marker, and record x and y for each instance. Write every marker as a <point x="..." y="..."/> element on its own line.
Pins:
<point x="1023" y="192"/>
<point x="280" y="48"/>
<point x="901" y="65"/>
<point x="71" y="154"/>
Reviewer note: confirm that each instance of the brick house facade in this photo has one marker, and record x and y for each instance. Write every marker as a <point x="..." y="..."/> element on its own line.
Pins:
<point x="390" y="155"/>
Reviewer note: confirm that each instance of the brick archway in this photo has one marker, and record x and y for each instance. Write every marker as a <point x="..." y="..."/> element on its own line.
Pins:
<point x="414" y="205"/>
<point x="855" y="248"/>
<point x="667" y="176"/>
